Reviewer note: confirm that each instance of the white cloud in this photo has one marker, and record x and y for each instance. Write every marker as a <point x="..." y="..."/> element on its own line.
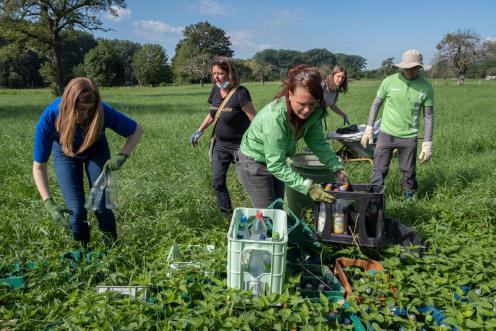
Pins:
<point x="210" y="7"/>
<point x="157" y="31"/>
<point x="242" y="39"/>
<point x="123" y="14"/>
<point x="491" y="39"/>
<point x="284" y="17"/>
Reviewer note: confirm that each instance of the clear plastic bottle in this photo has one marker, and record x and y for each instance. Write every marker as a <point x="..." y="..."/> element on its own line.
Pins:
<point x="256" y="263"/>
<point x="243" y="232"/>
<point x="340" y="222"/>
<point x="258" y="227"/>
<point x="110" y="190"/>
<point x="256" y="267"/>
<point x="96" y="192"/>
<point x="321" y="218"/>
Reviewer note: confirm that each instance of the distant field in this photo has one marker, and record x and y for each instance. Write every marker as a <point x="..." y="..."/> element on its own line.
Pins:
<point x="166" y="197"/>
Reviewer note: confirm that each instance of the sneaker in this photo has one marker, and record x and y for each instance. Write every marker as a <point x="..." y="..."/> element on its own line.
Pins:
<point x="409" y="195"/>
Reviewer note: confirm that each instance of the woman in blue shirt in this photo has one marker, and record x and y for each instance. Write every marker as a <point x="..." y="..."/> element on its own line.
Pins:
<point x="72" y="128"/>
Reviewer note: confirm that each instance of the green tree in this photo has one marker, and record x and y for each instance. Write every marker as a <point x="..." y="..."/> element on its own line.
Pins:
<point x="440" y="69"/>
<point x="491" y="71"/>
<point x="354" y="64"/>
<point x="458" y="50"/>
<point x="318" y="57"/>
<point x="41" y="23"/>
<point x="261" y="71"/>
<point x="150" y="65"/>
<point x="387" y="67"/>
<point x="19" y="67"/>
<point x="200" y="41"/>
<point x="279" y="61"/>
<point x="103" y="65"/>
<point x="198" y="67"/>
<point x="489" y="50"/>
<point x="245" y="71"/>
<point x="76" y="44"/>
<point x="126" y="50"/>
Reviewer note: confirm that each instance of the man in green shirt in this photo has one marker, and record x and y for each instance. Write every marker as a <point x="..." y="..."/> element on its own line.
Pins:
<point x="404" y="95"/>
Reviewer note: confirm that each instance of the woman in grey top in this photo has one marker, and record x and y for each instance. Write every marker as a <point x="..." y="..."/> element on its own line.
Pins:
<point x="334" y="83"/>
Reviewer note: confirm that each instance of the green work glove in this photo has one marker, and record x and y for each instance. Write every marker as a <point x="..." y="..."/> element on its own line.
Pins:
<point x="317" y="193"/>
<point x="116" y="162"/>
<point x="57" y="212"/>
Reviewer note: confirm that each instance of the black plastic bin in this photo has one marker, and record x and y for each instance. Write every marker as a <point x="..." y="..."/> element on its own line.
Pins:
<point x="364" y="216"/>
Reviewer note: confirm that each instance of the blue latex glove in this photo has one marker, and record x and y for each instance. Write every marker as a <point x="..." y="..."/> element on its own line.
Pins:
<point x="346" y="121"/>
<point x="195" y="137"/>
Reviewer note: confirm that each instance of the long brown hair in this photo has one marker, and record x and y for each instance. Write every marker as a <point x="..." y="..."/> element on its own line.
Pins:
<point x="79" y="90"/>
<point x="329" y="81"/>
<point x="227" y="65"/>
<point x="308" y="78"/>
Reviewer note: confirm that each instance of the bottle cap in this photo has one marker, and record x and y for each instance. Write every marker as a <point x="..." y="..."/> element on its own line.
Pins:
<point x="276" y="235"/>
<point x="259" y="214"/>
<point x="263" y="236"/>
<point x="243" y="219"/>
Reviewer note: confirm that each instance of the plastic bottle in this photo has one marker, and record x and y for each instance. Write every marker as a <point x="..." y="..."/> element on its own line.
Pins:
<point x="110" y="190"/>
<point x="339" y="216"/>
<point x="258" y="227"/>
<point x="96" y="192"/>
<point x="243" y="232"/>
<point x="322" y="217"/>
<point x="256" y="267"/>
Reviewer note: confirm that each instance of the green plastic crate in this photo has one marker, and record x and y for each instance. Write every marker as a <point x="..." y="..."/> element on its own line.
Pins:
<point x="239" y="249"/>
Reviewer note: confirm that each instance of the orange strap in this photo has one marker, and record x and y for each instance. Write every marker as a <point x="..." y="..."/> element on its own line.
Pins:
<point x="343" y="262"/>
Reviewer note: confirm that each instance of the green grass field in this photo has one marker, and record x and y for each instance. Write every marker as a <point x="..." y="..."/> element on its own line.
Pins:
<point x="166" y="197"/>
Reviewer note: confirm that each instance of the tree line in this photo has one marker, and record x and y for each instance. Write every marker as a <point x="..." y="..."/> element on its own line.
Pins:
<point x="47" y="42"/>
<point x="123" y="62"/>
<point x="460" y="55"/>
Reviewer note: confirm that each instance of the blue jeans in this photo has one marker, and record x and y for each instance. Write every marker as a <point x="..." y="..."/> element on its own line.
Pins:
<point x="69" y="173"/>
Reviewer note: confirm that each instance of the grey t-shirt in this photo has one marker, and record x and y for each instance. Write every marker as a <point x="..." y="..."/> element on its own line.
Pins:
<point x="330" y="97"/>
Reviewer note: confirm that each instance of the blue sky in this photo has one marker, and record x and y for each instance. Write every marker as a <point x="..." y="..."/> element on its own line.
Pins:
<point x="375" y="29"/>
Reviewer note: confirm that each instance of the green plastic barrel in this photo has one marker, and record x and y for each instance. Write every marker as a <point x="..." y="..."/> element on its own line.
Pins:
<point x="308" y="166"/>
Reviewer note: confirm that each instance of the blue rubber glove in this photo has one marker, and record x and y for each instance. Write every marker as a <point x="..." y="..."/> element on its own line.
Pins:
<point x="346" y="121"/>
<point x="195" y="137"/>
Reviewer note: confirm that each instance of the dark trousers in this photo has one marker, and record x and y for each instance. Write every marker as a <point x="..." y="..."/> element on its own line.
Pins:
<point x="69" y="173"/>
<point x="223" y="154"/>
<point x="407" y="148"/>
<point x="262" y="187"/>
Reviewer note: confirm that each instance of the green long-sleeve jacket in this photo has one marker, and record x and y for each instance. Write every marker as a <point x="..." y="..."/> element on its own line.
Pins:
<point x="271" y="139"/>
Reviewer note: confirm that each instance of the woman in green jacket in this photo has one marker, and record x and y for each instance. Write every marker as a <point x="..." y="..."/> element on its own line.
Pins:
<point x="271" y="138"/>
